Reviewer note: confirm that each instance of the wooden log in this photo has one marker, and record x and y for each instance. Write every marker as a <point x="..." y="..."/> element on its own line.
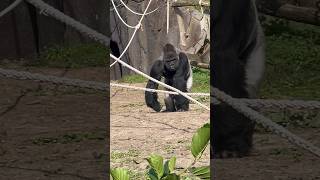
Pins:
<point x="299" y="14"/>
<point x="182" y="3"/>
<point x="200" y="65"/>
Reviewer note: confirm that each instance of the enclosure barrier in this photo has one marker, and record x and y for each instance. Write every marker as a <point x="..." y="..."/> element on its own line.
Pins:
<point x="253" y="103"/>
<point x="237" y="104"/>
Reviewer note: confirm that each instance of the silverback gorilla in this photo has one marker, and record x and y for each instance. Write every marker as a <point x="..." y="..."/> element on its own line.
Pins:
<point x="237" y="66"/>
<point x="176" y="70"/>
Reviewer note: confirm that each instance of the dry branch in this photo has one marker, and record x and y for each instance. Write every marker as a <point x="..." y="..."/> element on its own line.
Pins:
<point x="182" y="3"/>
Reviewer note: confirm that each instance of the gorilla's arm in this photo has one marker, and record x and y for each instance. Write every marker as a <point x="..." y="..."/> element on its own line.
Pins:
<point x="152" y="97"/>
<point x="180" y="82"/>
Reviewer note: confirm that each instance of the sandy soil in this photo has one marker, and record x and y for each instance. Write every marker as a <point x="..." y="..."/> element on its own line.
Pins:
<point x="273" y="159"/>
<point x="53" y="132"/>
<point x="137" y="131"/>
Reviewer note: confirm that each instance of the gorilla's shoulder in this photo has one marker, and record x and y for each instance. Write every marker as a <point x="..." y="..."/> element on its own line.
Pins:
<point x="158" y="64"/>
<point x="183" y="57"/>
<point x="157" y="67"/>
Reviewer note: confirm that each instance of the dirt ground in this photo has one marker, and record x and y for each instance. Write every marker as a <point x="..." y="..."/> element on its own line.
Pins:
<point x="137" y="132"/>
<point x="273" y="159"/>
<point x="53" y="132"/>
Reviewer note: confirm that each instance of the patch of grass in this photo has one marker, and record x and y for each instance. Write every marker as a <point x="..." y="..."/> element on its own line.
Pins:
<point x="69" y="138"/>
<point x="135" y="78"/>
<point x="201" y="80"/>
<point x="136" y="175"/>
<point x="73" y="56"/>
<point x="170" y="149"/>
<point x="122" y="155"/>
<point x="293" y="61"/>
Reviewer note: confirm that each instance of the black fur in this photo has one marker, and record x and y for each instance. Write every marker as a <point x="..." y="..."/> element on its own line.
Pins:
<point x="234" y="31"/>
<point x="116" y="52"/>
<point x="175" y="68"/>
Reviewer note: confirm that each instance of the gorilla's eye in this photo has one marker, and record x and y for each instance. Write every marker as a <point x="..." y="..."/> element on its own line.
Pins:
<point x="170" y="60"/>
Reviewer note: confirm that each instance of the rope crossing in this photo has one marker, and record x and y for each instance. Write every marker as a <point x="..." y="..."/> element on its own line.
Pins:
<point x="238" y="104"/>
<point x="136" y="28"/>
<point x="159" y="82"/>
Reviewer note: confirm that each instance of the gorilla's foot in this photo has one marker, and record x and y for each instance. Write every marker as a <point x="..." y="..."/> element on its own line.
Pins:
<point x="181" y="110"/>
<point x="167" y="110"/>
<point x="229" y="154"/>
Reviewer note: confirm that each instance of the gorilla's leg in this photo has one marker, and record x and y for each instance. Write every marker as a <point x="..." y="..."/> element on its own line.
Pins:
<point x="182" y="103"/>
<point x="232" y="132"/>
<point x="170" y="106"/>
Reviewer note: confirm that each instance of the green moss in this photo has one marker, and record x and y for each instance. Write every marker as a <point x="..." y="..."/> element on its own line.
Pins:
<point x="293" y="62"/>
<point x="74" y="56"/>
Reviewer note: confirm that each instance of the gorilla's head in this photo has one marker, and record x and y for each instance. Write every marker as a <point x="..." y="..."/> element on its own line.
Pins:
<point x="170" y="57"/>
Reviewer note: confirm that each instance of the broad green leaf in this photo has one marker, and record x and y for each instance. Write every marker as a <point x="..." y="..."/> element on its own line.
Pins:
<point x="169" y="166"/>
<point x="156" y="162"/>
<point x="201" y="172"/>
<point x="200" y="139"/>
<point x="172" y="164"/>
<point x="171" y="177"/>
<point x="119" y="174"/>
<point x="166" y="168"/>
<point x="152" y="174"/>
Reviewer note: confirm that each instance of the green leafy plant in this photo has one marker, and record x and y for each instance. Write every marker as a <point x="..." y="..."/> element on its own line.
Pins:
<point x="160" y="170"/>
<point x="119" y="174"/>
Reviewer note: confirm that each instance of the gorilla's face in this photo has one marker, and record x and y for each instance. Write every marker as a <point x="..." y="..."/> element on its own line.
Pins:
<point x="170" y="58"/>
<point x="171" y="62"/>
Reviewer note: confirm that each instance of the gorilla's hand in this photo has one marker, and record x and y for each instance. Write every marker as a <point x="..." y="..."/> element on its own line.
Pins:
<point x="152" y="101"/>
<point x="157" y="107"/>
<point x="152" y="97"/>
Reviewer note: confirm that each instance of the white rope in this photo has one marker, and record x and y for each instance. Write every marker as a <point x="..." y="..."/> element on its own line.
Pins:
<point x="134" y="33"/>
<point x="141" y="73"/>
<point x="129" y="26"/>
<point x="253" y="103"/>
<point x="156" y="90"/>
<point x="140" y="14"/>
<point x="116" y="7"/>
<point x="113" y="63"/>
<point x="159" y="82"/>
<point x="11" y="7"/>
<point x="168" y="14"/>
